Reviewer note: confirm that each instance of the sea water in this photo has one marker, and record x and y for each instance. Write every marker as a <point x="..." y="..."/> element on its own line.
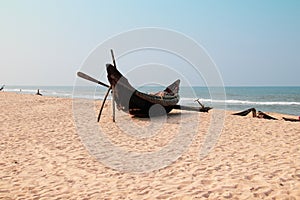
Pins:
<point x="285" y="100"/>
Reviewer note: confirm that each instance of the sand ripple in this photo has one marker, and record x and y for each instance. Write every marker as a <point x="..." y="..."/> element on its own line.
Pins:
<point x="42" y="157"/>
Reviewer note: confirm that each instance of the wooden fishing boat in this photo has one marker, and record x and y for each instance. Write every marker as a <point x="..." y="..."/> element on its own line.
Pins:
<point x="137" y="103"/>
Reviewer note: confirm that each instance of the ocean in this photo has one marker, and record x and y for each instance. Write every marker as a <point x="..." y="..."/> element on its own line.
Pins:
<point x="285" y="100"/>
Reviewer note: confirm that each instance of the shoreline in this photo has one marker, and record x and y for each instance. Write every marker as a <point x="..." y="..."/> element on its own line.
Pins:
<point x="284" y="100"/>
<point x="278" y="114"/>
<point x="42" y="156"/>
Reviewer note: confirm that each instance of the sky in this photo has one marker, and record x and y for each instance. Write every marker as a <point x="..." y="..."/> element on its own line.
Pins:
<point x="253" y="43"/>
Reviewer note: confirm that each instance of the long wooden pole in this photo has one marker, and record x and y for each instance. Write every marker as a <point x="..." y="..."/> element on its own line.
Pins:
<point x="114" y="107"/>
<point x="113" y="93"/>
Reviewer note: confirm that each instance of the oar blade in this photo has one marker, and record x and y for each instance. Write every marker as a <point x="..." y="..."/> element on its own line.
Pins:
<point x="89" y="78"/>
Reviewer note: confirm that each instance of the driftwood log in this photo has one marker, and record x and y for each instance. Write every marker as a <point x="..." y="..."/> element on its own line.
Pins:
<point x="258" y="115"/>
<point x="291" y="119"/>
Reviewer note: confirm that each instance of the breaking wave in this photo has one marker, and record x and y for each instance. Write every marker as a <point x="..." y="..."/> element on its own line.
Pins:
<point x="240" y="102"/>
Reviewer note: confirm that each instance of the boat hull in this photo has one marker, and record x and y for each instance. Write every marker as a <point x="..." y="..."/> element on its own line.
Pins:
<point x="139" y="104"/>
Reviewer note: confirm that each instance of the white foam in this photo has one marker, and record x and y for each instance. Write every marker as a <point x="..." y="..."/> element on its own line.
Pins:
<point x="241" y="102"/>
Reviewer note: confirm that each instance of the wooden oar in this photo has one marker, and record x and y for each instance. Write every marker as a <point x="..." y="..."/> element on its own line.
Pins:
<point x="99" y="115"/>
<point x="87" y="77"/>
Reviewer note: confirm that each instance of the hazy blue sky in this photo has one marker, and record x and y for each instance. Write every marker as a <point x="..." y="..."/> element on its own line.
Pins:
<point x="252" y="42"/>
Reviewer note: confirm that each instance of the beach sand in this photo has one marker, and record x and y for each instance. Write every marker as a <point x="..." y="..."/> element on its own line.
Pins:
<point x="43" y="157"/>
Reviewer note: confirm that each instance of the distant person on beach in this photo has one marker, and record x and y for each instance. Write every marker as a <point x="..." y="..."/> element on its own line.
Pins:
<point x="2" y="87"/>
<point x="38" y="92"/>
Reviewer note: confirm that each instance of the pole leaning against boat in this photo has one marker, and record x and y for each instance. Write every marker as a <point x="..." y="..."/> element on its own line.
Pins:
<point x="108" y="90"/>
<point x="113" y="93"/>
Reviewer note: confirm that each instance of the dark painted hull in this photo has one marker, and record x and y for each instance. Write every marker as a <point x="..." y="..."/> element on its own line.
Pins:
<point x="139" y="104"/>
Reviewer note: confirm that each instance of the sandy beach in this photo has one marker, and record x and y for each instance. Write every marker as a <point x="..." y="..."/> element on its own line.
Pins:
<point x="43" y="157"/>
